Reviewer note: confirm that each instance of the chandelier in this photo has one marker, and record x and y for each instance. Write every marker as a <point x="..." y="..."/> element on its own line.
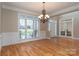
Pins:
<point x="43" y="17"/>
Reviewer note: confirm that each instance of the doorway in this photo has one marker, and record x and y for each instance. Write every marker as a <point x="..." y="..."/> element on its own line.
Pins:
<point x="52" y="28"/>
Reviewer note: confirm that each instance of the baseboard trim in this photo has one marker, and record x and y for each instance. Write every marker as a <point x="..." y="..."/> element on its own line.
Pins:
<point x="76" y="38"/>
<point x="23" y="41"/>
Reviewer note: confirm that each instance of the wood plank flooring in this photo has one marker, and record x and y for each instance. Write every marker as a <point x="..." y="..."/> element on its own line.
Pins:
<point x="44" y="47"/>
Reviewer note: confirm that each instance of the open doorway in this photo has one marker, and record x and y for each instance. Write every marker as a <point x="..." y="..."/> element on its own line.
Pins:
<point x="52" y="28"/>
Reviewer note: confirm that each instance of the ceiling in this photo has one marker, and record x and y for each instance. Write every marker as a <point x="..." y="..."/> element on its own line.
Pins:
<point x="51" y="7"/>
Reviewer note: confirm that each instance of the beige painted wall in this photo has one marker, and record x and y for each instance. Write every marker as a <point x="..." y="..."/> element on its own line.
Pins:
<point x="44" y="28"/>
<point x="9" y="21"/>
<point x="0" y="27"/>
<point x="0" y="17"/>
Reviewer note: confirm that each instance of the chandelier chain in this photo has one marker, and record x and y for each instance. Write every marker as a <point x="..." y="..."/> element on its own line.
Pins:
<point x="43" y="5"/>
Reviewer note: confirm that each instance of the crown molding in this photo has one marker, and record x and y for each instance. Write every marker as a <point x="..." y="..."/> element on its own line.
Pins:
<point x="19" y="10"/>
<point x="63" y="11"/>
<point x="67" y="10"/>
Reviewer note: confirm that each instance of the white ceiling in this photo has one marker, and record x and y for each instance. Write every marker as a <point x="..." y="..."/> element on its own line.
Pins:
<point x="51" y="7"/>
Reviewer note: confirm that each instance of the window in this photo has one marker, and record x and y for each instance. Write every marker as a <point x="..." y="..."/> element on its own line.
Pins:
<point x="28" y="27"/>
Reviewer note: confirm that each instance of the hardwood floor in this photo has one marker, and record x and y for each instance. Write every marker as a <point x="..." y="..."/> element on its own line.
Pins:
<point x="45" y="47"/>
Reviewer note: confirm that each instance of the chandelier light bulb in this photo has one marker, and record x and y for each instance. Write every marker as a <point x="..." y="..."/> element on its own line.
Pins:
<point x="39" y="17"/>
<point x="47" y="16"/>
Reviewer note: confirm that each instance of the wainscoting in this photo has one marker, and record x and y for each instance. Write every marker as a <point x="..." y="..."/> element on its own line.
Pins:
<point x="9" y="38"/>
